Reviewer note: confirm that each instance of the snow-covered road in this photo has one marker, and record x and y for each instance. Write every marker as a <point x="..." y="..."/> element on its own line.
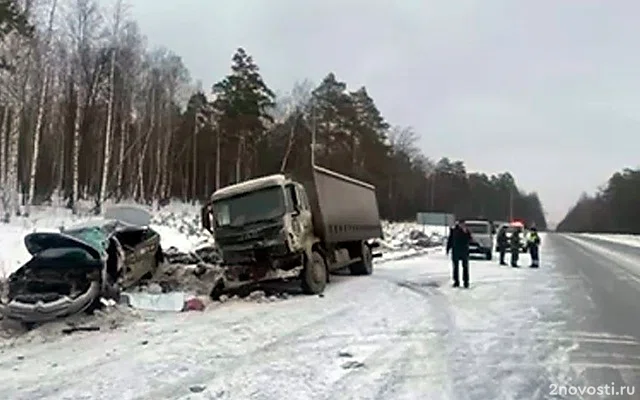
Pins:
<point x="403" y="333"/>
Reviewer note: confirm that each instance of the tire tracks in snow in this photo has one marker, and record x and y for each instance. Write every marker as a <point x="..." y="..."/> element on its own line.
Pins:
<point x="398" y="367"/>
<point x="178" y="388"/>
<point x="469" y="375"/>
<point x="380" y="368"/>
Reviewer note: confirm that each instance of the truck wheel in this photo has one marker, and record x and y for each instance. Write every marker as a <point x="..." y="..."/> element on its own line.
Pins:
<point x="314" y="275"/>
<point x="364" y="266"/>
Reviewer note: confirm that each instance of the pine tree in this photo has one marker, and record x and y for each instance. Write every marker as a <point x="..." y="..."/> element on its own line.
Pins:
<point x="332" y="115"/>
<point x="244" y="102"/>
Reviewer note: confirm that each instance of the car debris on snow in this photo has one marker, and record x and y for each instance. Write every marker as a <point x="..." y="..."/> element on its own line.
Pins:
<point x="352" y="364"/>
<point x="344" y="353"/>
<point x="196" y="278"/>
<point x="197" y="388"/>
<point x="73" y="329"/>
<point x="107" y="319"/>
<point x="71" y="270"/>
<point x="207" y="253"/>
<point x="173" y="301"/>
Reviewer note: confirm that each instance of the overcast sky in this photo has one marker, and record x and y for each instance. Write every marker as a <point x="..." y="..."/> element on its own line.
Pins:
<point x="546" y="89"/>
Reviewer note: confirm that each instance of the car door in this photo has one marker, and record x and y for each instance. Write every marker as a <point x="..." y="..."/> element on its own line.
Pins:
<point x="140" y="258"/>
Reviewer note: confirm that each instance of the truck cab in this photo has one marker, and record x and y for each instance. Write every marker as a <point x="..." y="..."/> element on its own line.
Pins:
<point x="276" y="227"/>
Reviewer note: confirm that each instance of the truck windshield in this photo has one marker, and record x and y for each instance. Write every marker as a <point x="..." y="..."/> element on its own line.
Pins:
<point x="250" y="207"/>
<point x="479" y="228"/>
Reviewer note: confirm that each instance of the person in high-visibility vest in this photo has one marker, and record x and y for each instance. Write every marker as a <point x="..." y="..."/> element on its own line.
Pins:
<point x="533" y="243"/>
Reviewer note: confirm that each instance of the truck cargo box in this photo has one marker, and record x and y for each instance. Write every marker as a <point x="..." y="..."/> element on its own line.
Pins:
<point x="344" y="209"/>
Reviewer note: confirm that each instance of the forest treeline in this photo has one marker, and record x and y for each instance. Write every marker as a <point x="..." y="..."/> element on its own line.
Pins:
<point x="613" y="209"/>
<point x="89" y="112"/>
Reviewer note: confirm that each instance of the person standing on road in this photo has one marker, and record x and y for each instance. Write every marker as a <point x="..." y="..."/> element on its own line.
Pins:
<point x="533" y="243"/>
<point x="503" y="243"/>
<point x="458" y="244"/>
<point x="515" y="247"/>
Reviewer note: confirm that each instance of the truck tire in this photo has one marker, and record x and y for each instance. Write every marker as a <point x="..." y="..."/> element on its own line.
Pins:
<point x="314" y="274"/>
<point x="489" y="255"/>
<point x="365" y="265"/>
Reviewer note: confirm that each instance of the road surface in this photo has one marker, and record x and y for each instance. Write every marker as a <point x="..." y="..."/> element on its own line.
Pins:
<point x="403" y="333"/>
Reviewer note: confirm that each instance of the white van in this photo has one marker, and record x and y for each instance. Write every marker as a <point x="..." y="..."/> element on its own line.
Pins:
<point x="481" y="237"/>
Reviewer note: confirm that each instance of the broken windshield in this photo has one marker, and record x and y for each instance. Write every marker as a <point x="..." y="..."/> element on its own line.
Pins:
<point x="250" y="207"/>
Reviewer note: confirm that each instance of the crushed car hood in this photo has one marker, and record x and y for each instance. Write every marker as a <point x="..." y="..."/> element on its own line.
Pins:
<point x="92" y="240"/>
<point x="69" y="270"/>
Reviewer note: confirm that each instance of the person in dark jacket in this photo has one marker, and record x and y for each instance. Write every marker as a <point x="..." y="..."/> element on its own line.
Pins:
<point x="533" y="243"/>
<point x="458" y="244"/>
<point x="515" y="247"/>
<point x="503" y="243"/>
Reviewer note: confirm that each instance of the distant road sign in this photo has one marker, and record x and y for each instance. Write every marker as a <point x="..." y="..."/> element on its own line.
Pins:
<point x="435" y="219"/>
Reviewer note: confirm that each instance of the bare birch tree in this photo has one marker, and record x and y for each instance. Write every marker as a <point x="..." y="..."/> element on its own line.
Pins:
<point x="44" y="85"/>
<point x="106" y="155"/>
<point x="15" y="82"/>
<point x="84" y="20"/>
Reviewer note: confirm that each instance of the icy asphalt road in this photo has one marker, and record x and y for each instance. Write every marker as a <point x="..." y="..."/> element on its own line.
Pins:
<point x="402" y="333"/>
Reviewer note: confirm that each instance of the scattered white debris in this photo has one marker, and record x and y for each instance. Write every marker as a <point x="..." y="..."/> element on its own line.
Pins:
<point x="173" y="301"/>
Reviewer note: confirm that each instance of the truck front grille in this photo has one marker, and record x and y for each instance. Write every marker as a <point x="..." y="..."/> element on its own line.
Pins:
<point x="249" y="236"/>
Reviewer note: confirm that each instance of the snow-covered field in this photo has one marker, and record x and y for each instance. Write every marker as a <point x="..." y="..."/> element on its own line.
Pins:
<point x="630" y="240"/>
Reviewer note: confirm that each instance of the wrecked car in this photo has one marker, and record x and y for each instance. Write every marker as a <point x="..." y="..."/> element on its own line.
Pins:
<point x="72" y="270"/>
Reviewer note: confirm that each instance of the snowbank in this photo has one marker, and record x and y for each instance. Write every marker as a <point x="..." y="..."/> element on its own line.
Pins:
<point x="400" y="236"/>
<point x="629" y="240"/>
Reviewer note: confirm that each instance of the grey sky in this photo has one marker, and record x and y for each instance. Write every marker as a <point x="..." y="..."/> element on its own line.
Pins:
<point x="547" y="89"/>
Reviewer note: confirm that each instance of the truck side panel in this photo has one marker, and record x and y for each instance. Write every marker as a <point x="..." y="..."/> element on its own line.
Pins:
<point x="344" y="208"/>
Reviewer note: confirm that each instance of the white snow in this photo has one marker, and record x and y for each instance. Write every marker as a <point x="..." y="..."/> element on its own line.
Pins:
<point x="402" y="333"/>
<point x="630" y="240"/>
<point x="398" y="235"/>
<point x="630" y="264"/>
<point x="14" y="253"/>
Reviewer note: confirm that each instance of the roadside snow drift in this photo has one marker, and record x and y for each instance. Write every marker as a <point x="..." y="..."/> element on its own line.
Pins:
<point x="629" y="240"/>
